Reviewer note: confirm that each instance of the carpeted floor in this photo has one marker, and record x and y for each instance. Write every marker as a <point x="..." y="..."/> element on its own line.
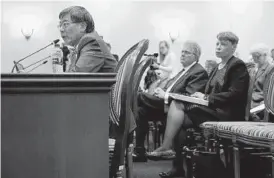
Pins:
<point x="150" y="169"/>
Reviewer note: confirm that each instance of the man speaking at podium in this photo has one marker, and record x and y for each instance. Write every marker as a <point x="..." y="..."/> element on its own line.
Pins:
<point x="91" y="53"/>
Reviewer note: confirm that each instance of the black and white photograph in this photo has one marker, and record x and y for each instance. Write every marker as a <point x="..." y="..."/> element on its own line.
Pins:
<point x="137" y="89"/>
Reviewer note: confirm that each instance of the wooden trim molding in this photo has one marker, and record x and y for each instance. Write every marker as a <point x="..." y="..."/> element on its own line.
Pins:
<point x="57" y="83"/>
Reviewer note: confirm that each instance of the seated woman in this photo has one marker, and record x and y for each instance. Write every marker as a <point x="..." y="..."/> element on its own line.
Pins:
<point x="261" y="55"/>
<point x="226" y="92"/>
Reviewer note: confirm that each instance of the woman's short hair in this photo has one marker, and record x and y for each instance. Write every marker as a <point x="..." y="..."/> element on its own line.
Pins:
<point x="195" y="47"/>
<point x="260" y="48"/>
<point x="228" y="36"/>
<point x="79" y="14"/>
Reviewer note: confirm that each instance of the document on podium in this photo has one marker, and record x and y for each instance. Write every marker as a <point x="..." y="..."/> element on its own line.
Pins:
<point x="189" y="99"/>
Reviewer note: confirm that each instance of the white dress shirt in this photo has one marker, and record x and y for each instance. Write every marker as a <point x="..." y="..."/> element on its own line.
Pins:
<point x="183" y="73"/>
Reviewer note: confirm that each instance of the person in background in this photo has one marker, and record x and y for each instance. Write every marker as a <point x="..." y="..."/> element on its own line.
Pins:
<point x="167" y="61"/>
<point x="261" y="55"/>
<point x="165" y="68"/>
<point x="91" y="54"/>
<point x="210" y="65"/>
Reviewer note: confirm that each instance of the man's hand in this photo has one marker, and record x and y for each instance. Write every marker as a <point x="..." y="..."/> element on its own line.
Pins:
<point x="198" y="95"/>
<point x="160" y="93"/>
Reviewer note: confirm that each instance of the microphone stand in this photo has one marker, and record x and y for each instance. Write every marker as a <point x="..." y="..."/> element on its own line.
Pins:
<point x="37" y="66"/>
<point x="15" y="63"/>
<point x="36" y="62"/>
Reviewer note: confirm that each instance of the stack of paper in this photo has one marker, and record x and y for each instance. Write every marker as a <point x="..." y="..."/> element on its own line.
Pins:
<point x="189" y="99"/>
<point x="257" y="109"/>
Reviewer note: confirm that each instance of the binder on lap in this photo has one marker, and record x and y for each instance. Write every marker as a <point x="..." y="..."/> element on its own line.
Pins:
<point x="189" y="99"/>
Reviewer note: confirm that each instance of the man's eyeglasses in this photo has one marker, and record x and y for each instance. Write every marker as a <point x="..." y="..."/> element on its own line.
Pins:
<point x="65" y="24"/>
<point x="187" y="53"/>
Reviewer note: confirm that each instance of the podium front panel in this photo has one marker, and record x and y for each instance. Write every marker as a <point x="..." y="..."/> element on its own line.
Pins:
<point x="55" y="126"/>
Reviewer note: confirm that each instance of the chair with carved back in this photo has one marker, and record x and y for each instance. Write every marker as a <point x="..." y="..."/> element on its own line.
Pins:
<point x="143" y="66"/>
<point x="139" y="69"/>
<point x="136" y="83"/>
<point x="121" y="111"/>
<point x="124" y="57"/>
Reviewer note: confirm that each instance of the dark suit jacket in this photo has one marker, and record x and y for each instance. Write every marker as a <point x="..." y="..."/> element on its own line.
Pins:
<point x="194" y="80"/>
<point x="258" y="87"/>
<point x="93" y="55"/>
<point x="231" y="98"/>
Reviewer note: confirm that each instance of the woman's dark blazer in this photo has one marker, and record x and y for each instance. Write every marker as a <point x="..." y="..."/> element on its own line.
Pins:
<point x="230" y="99"/>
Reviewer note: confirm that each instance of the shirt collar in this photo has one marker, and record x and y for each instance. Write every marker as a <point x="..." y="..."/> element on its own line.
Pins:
<point x="188" y="67"/>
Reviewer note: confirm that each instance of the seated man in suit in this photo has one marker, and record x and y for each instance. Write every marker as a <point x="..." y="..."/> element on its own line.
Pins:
<point x="261" y="55"/>
<point x="91" y="53"/>
<point x="191" y="79"/>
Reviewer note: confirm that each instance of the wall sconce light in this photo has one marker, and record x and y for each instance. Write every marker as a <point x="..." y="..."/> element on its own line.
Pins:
<point x="174" y="35"/>
<point x="27" y="32"/>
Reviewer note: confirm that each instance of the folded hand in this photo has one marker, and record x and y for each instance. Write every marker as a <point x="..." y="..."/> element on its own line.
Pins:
<point x="159" y="92"/>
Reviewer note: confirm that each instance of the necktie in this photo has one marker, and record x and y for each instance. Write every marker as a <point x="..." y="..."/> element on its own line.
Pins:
<point x="174" y="79"/>
<point x="72" y="60"/>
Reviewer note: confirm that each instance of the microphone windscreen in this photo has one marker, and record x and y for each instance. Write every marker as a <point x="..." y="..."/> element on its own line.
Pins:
<point x="56" y="41"/>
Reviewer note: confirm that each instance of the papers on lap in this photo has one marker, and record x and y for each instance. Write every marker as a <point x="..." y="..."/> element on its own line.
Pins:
<point x="189" y="99"/>
<point x="257" y="109"/>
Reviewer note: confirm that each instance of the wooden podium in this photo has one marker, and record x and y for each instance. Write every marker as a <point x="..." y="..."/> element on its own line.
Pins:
<point x="55" y="126"/>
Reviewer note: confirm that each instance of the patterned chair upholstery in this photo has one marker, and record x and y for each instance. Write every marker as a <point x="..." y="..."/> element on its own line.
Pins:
<point x="258" y="134"/>
<point x="120" y="110"/>
<point x="230" y="127"/>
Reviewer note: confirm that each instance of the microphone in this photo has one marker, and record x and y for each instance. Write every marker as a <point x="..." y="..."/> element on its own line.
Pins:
<point x="55" y="41"/>
<point x="15" y="63"/>
<point x="37" y="66"/>
<point x="152" y="55"/>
